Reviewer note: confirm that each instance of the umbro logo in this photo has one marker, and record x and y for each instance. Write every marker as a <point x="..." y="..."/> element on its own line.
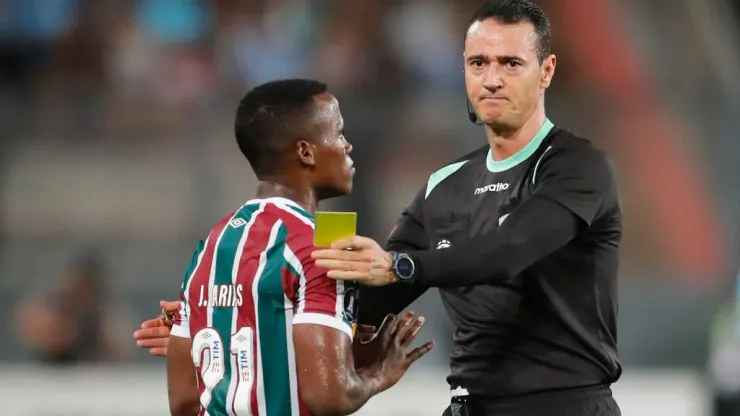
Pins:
<point x="443" y="244"/>
<point x="237" y="222"/>
<point x="494" y="187"/>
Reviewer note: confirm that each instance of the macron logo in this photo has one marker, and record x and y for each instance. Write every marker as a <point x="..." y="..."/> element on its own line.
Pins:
<point x="494" y="187"/>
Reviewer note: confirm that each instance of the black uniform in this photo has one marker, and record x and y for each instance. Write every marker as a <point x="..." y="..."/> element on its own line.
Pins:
<point x="524" y="252"/>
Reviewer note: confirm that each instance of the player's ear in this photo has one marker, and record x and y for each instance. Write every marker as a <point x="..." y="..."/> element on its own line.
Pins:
<point x="306" y="152"/>
<point x="548" y="71"/>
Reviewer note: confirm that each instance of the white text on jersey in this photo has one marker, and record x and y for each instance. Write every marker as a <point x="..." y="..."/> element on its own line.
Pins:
<point x="222" y="296"/>
<point x="494" y="187"/>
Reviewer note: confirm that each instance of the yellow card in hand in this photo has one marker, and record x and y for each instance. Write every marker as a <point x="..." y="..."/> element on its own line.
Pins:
<point x="333" y="226"/>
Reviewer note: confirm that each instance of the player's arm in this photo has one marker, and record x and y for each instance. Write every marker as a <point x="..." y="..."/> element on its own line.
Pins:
<point x="182" y="387"/>
<point x="408" y="234"/>
<point x="327" y="379"/>
<point x="328" y="382"/>
<point x="571" y="189"/>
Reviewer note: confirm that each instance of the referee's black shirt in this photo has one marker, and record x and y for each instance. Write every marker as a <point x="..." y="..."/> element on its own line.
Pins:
<point x="524" y="252"/>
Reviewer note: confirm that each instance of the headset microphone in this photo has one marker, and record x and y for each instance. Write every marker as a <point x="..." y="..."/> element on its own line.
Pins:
<point x="472" y="116"/>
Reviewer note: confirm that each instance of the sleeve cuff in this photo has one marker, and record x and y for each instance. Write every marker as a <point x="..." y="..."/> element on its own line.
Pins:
<point x="180" y="331"/>
<point x="321" y="319"/>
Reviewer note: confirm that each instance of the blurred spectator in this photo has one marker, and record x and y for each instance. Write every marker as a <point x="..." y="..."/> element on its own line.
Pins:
<point x="73" y="324"/>
<point x="260" y="41"/>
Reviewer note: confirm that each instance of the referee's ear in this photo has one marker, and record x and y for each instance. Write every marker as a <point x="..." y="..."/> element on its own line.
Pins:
<point x="548" y="71"/>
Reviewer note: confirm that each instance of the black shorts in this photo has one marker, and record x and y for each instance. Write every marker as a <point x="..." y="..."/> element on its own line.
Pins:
<point x="581" y="402"/>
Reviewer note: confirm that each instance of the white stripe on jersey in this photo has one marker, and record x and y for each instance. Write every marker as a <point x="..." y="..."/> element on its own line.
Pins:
<point x="296" y="264"/>
<point x="536" y="165"/>
<point x="262" y="407"/>
<point x="243" y="406"/>
<point x="292" y="375"/>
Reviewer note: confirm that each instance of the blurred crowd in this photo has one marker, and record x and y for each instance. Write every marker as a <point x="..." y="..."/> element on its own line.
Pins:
<point x="114" y="68"/>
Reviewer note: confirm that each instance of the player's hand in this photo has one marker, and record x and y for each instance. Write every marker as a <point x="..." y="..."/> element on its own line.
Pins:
<point x="396" y="336"/>
<point x="367" y="346"/>
<point x="357" y="258"/>
<point x="154" y="333"/>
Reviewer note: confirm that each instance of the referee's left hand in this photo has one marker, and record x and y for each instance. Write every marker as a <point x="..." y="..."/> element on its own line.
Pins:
<point x="359" y="259"/>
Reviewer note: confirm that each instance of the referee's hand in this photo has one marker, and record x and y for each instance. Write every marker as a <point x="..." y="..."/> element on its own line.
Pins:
<point x="357" y="258"/>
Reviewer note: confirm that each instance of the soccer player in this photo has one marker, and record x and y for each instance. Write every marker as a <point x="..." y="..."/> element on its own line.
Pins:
<point x="520" y="236"/>
<point x="261" y="330"/>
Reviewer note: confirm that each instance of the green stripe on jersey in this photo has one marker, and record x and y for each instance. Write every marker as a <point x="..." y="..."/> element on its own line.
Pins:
<point x="437" y="177"/>
<point x="523" y="154"/>
<point x="272" y="330"/>
<point x="226" y="254"/>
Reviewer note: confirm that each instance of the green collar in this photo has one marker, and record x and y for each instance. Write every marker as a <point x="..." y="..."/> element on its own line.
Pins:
<point x="523" y="154"/>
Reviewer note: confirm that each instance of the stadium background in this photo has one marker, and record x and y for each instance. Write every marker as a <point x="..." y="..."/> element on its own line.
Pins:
<point x="117" y="149"/>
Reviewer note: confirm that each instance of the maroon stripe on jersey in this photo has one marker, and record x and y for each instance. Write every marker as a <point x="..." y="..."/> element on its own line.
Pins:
<point x="300" y="242"/>
<point x="198" y="318"/>
<point x="249" y="261"/>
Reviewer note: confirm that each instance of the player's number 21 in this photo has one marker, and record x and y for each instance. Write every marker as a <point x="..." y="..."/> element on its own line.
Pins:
<point x="212" y="371"/>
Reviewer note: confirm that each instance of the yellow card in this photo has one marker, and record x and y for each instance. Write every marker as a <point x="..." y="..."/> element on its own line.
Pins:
<point x="333" y="226"/>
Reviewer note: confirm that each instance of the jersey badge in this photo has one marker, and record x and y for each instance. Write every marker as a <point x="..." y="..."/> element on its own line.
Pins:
<point x="443" y="244"/>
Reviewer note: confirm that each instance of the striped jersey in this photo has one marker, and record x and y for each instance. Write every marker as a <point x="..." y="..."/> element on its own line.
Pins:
<point x="247" y="284"/>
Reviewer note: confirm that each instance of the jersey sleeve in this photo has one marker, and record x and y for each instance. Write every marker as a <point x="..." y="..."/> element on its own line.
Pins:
<point x="181" y="326"/>
<point x="579" y="179"/>
<point x="319" y="299"/>
<point x="408" y="234"/>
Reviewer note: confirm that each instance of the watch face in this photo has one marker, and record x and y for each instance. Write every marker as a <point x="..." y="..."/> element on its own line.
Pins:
<point x="405" y="267"/>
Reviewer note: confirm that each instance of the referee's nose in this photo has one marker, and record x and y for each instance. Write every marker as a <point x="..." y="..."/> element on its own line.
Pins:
<point x="493" y="80"/>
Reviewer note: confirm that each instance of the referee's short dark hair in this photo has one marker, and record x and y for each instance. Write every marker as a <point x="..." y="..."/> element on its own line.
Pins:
<point x="517" y="11"/>
<point x="270" y="117"/>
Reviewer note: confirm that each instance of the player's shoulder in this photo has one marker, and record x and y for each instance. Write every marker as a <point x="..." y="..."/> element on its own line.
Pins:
<point x="456" y="167"/>
<point x="268" y="213"/>
<point x="297" y="225"/>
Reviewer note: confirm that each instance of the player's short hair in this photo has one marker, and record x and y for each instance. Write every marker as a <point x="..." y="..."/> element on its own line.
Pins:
<point x="269" y="116"/>
<point x="517" y="11"/>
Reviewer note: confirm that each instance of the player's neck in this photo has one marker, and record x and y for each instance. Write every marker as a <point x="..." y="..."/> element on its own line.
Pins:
<point x="507" y="142"/>
<point x="301" y="195"/>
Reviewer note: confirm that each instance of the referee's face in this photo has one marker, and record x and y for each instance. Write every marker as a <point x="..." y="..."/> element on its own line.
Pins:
<point x="503" y="77"/>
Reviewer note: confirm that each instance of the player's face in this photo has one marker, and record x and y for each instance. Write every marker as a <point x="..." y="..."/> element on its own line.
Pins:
<point x="333" y="170"/>
<point x="503" y="77"/>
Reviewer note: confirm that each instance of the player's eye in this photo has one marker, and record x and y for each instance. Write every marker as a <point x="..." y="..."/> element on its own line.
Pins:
<point x="476" y="63"/>
<point x="512" y="64"/>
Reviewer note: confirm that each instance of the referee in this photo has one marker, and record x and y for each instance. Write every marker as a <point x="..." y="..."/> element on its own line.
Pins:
<point x="520" y="236"/>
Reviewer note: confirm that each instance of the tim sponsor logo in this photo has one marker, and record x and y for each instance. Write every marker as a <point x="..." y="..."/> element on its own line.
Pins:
<point x="494" y="187"/>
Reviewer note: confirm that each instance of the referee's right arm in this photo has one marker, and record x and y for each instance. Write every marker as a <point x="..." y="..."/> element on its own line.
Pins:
<point x="408" y="234"/>
<point x="571" y="190"/>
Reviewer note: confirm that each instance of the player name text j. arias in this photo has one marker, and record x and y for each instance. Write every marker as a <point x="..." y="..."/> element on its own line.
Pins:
<point x="220" y="296"/>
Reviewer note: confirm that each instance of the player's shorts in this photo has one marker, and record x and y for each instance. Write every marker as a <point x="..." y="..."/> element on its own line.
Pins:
<point x="594" y="401"/>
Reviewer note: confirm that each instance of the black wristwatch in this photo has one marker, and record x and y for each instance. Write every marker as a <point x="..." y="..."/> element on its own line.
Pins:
<point x="404" y="267"/>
